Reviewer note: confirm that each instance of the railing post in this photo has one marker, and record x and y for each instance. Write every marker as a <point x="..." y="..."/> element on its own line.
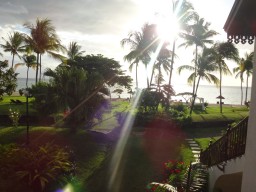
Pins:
<point x="227" y="142"/>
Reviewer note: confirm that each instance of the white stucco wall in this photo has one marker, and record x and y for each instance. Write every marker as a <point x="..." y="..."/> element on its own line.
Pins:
<point x="232" y="166"/>
<point x="249" y="174"/>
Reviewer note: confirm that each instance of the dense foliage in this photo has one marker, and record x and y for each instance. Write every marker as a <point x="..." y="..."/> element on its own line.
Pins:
<point x="80" y="86"/>
<point x="8" y="79"/>
<point x="32" y="168"/>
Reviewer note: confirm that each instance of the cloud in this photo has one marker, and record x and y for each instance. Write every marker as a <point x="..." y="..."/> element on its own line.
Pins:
<point x="87" y="16"/>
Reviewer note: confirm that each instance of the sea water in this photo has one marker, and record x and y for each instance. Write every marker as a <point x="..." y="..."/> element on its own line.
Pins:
<point x="232" y="94"/>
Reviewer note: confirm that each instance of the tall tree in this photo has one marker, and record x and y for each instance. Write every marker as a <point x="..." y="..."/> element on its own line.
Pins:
<point x="205" y="67"/>
<point x="222" y="52"/>
<point x="198" y="36"/>
<point x="239" y="70"/>
<point x="74" y="50"/>
<point x="29" y="61"/>
<point x="141" y="43"/>
<point x="42" y="38"/>
<point x="183" y="13"/>
<point x="162" y="61"/>
<point x="248" y="66"/>
<point x="8" y="79"/>
<point x="14" y="45"/>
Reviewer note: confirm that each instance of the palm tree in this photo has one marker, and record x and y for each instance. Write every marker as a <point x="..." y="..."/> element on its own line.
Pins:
<point x="205" y="66"/>
<point x="29" y="61"/>
<point x="162" y="60"/>
<point x="184" y="13"/>
<point x="74" y="50"/>
<point x="141" y="43"/>
<point x="199" y="36"/>
<point x="239" y="73"/>
<point x="248" y="65"/>
<point x="14" y="45"/>
<point x="223" y="51"/>
<point x="43" y="38"/>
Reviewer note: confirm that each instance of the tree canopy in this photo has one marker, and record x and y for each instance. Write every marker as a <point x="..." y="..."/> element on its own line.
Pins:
<point x="8" y="79"/>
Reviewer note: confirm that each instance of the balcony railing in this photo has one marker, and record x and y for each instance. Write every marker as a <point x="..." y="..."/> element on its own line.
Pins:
<point x="229" y="146"/>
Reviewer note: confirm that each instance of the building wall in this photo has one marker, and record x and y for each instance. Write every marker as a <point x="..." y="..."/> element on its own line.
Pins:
<point x="232" y="166"/>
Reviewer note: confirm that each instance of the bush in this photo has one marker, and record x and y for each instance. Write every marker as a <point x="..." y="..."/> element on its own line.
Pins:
<point x="179" y="107"/>
<point x="33" y="167"/>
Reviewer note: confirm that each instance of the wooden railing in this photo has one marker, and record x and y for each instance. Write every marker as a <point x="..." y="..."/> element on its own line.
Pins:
<point x="229" y="146"/>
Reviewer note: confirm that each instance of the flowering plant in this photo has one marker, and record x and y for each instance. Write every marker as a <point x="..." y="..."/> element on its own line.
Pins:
<point x="155" y="188"/>
<point x="174" y="172"/>
<point x="14" y="115"/>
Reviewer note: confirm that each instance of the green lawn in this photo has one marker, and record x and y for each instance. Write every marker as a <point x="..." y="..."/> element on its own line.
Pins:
<point x="6" y="104"/>
<point x="212" y="113"/>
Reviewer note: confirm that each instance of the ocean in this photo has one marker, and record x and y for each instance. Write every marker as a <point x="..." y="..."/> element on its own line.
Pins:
<point x="232" y="94"/>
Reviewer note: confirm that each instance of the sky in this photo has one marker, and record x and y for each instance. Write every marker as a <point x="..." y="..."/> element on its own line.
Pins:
<point x="99" y="26"/>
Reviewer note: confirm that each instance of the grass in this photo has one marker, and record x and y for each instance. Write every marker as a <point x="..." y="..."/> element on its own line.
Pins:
<point x="6" y="104"/>
<point x="109" y="118"/>
<point x="204" y="142"/>
<point x="212" y="113"/>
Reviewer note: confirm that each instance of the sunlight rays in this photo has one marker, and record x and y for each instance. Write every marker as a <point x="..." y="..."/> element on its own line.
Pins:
<point x="118" y="153"/>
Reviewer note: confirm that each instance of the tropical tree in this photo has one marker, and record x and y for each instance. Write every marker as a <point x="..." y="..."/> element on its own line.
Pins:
<point x="162" y="61"/>
<point x="74" y="50"/>
<point x="14" y="45"/>
<point x="29" y="61"/>
<point x="222" y="52"/>
<point x="248" y="66"/>
<point x="183" y="13"/>
<point x="205" y="67"/>
<point x="198" y="36"/>
<point x="42" y="38"/>
<point x="239" y="70"/>
<point x="141" y="43"/>
<point x="8" y="79"/>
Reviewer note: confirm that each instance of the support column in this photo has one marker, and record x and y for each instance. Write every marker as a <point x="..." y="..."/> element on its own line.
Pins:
<point x="249" y="174"/>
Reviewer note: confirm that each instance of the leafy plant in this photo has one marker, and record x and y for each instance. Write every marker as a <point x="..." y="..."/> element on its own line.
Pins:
<point x="35" y="166"/>
<point x="14" y="115"/>
<point x="174" y="172"/>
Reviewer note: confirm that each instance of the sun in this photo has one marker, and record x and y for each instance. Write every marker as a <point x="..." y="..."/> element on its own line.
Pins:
<point x="167" y="27"/>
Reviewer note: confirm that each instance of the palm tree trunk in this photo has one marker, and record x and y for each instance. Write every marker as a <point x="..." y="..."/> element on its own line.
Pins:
<point x="37" y="64"/>
<point x="136" y="75"/>
<point x="172" y="62"/>
<point x="194" y="82"/>
<point x="246" y="90"/>
<point x="152" y="74"/>
<point x="12" y="59"/>
<point x="159" y="75"/>
<point x="194" y="96"/>
<point x="40" y="67"/>
<point x="27" y="78"/>
<point x="220" y="89"/>
<point x="241" y="91"/>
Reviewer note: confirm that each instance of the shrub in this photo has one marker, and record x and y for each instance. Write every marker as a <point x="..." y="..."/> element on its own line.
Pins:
<point x="179" y="107"/>
<point x="35" y="167"/>
<point x="14" y="115"/>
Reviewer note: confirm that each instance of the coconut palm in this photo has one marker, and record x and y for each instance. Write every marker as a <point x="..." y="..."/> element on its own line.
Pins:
<point x="14" y="45"/>
<point x="222" y="52"/>
<point x="239" y="70"/>
<point x="43" y="38"/>
<point x="184" y="13"/>
<point x="248" y="65"/>
<point x="74" y="50"/>
<point x="162" y="61"/>
<point x="29" y="61"/>
<point x="141" y="43"/>
<point x="205" y="66"/>
<point x="199" y="36"/>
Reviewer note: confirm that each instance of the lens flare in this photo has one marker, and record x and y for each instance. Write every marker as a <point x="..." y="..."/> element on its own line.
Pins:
<point x="118" y="153"/>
